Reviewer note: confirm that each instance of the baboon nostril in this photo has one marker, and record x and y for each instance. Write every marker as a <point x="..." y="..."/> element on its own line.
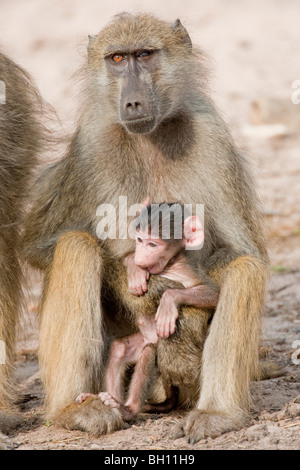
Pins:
<point x="133" y="109"/>
<point x="133" y="105"/>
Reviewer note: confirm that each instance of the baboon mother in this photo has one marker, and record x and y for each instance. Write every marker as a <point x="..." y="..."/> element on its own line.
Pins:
<point x="147" y="128"/>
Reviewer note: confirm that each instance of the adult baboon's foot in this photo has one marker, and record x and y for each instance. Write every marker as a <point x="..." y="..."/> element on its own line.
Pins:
<point x="9" y="421"/>
<point x="91" y="416"/>
<point x="199" y="424"/>
<point x="5" y="442"/>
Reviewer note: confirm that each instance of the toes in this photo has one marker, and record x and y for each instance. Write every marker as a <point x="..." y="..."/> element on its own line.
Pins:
<point x="5" y="443"/>
<point x="82" y="397"/>
<point x="200" y="424"/>
<point x="178" y="431"/>
<point x="189" y="427"/>
<point x="194" y="428"/>
<point x="108" y="400"/>
<point x="103" y="395"/>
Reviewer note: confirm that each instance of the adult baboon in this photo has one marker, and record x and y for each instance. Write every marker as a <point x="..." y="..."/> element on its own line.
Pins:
<point x="147" y="129"/>
<point x="20" y="140"/>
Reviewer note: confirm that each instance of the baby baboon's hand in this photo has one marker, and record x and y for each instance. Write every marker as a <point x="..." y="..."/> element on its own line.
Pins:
<point x="137" y="277"/>
<point x="166" y="316"/>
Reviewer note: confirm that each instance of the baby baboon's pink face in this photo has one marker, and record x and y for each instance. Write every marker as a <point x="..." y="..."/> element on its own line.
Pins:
<point x="153" y="254"/>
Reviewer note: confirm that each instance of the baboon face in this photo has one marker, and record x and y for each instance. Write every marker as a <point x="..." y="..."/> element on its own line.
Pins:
<point x="138" y="107"/>
<point x="139" y="59"/>
<point x="154" y="254"/>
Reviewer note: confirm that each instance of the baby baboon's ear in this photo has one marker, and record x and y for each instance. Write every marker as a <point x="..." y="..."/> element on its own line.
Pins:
<point x="193" y="232"/>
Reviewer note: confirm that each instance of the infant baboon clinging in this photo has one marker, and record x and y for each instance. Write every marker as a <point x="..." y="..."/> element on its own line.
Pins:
<point x="146" y="128"/>
<point x="179" y="358"/>
<point x="20" y="141"/>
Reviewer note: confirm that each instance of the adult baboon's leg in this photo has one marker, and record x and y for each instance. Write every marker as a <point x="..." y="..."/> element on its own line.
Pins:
<point x="10" y="300"/>
<point x="71" y="335"/>
<point x="231" y="353"/>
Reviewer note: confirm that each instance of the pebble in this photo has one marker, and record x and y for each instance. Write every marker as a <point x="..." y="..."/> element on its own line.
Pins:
<point x="96" y="447"/>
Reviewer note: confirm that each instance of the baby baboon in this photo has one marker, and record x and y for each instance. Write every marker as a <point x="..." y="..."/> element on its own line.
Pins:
<point x="147" y="127"/>
<point x="20" y="140"/>
<point x="179" y="357"/>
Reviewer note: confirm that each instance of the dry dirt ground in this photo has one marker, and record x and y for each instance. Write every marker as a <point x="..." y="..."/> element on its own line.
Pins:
<point x="254" y="50"/>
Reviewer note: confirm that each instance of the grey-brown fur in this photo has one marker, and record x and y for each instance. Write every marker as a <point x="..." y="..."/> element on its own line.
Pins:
<point x="21" y="137"/>
<point x="189" y="156"/>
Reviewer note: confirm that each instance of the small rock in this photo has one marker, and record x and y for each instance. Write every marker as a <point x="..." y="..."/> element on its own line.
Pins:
<point x="290" y="378"/>
<point x="95" y="447"/>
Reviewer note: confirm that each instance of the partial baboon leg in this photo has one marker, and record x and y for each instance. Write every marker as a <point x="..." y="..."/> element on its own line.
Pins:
<point x="10" y="296"/>
<point x="71" y="336"/>
<point x="141" y="380"/>
<point x="139" y="384"/>
<point x="144" y="374"/>
<point x="123" y="351"/>
<point x="230" y="359"/>
<point x="21" y="138"/>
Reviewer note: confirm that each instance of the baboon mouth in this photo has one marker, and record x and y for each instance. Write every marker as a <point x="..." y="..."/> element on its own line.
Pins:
<point x="140" y="125"/>
<point x="150" y="269"/>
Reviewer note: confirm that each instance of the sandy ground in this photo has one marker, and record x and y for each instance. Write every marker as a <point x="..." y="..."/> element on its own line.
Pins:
<point x="253" y="47"/>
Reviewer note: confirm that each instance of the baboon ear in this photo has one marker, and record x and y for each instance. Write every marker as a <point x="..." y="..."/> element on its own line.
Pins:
<point x="178" y="28"/>
<point x="92" y="40"/>
<point x="146" y="202"/>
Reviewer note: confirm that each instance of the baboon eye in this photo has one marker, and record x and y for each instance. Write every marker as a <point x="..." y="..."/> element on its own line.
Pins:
<point x="118" y="57"/>
<point x="139" y="240"/>
<point x="153" y="245"/>
<point x="145" y="53"/>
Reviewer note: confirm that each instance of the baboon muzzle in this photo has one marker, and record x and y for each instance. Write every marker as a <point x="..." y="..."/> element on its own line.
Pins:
<point x="136" y="107"/>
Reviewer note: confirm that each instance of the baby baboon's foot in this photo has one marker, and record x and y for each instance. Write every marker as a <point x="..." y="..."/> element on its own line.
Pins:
<point x="200" y="424"/>
<point x="109" y="400"/>
<point x="83" y="396"/>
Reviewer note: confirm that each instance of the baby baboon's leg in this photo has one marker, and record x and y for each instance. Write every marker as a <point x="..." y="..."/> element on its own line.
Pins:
<point x="123" y="351"/>
<point x="141" y="379"/>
